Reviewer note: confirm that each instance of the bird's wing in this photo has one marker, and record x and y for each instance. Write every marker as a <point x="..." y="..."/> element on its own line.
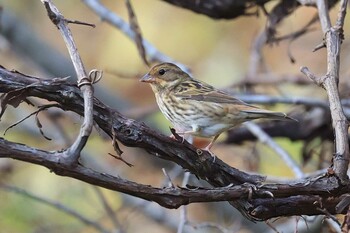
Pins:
<point x="200" y="91"/>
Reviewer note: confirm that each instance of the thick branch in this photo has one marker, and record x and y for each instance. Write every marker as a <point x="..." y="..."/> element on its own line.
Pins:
<point x="219" y="9"/>
<point x="312" y="193"/>
<point x="128" y="131"/>
<point x="167" y="197"/>
<point x="133" y="133"/>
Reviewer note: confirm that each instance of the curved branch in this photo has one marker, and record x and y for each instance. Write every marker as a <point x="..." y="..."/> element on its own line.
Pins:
<point x="73" y="152"/>
<point x="110" y="17"/>
<point x="313" y="194"/>
<point x="168" y="197"/>
<point x="129" y="132"/>
<point x="135" y="134"/>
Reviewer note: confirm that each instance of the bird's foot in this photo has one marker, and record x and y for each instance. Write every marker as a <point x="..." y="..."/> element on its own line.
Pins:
<point x="208" y="150"/>
<point x="176" y="135"/>
<point x="251" y="188"/>
<point x="212" y="155"/>
<point x="256" y="189"/>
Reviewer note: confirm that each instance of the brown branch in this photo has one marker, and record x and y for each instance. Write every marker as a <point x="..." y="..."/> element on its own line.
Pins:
<point x="322" y="191"/>
<point x="167" y="197"/>
<point x="220" y="9"/>
<point x="260" y="206"/>
<point x="127" y="131"/>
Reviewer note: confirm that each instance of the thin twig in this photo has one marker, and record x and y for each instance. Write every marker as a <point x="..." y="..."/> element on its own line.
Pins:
<point x="137" y="31"/>
<point x="54" y="204"/>
<point x="81" y="23"/>
<point x="111" y="214"/>
<point x="112" y="18"/>
<point x="41" y="108"/>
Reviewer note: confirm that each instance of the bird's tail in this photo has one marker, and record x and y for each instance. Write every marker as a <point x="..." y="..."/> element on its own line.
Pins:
<point x="256" y="114"/>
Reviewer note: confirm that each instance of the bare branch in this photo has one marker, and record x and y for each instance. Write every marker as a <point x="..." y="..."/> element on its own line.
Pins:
<point x="341" y="14"/>
<point x="137" y="31"/>
<point x="322" y="7"/>
<point x="42" y="108"/>
<point x="111" y="214"/>
<point x="73" y="152"/>
<point x="333" y="39"/>
<point x="266" y="139"/>
<point x="133" y="133"/>
<point x="152" y="52"/>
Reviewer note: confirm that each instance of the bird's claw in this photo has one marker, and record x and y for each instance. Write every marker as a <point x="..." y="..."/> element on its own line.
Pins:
<point x="212" y="155"/>
<point x="254" y="189"/>
<point x="176" y="135"/>
<point x="200" y="152"/>
<point x="251" y="189"/>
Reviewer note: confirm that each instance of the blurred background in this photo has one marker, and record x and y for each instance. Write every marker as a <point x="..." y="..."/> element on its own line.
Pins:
<point x="216" y="51"/>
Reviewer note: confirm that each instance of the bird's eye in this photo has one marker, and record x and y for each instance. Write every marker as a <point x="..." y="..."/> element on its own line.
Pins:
<point x="161" y="71"/>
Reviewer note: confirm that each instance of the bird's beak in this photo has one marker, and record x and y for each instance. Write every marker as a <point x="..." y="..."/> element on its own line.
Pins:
<point x="148" y="79"/>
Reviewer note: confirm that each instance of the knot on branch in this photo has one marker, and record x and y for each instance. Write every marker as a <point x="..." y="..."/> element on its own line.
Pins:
<point x="94" y="77"/>
<point x="127" y="132"/>
<point x="317" y="80"/>
<point x="52" y="13"/>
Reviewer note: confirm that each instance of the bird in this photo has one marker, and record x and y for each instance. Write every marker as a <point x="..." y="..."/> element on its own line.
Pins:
<point x="197" y="108"/>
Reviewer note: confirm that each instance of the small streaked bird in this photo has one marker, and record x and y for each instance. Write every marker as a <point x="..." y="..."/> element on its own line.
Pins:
<point x="197" y="108"/>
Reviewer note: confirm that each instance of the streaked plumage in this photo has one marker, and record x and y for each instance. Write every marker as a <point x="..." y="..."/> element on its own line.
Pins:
<point x="197" y="108"/>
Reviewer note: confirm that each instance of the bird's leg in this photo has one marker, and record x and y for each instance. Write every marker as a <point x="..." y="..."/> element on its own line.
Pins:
<point x="208" y="147"/>
<point x="186" y="133"/>
<point x="176" y="135"/>
<point x="195" y="129"/>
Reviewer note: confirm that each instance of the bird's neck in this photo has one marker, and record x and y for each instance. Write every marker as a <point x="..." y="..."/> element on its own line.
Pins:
<point x="163" y="90"/>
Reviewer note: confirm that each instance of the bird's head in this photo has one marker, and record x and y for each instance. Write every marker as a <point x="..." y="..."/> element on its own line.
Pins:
<point x="164" y="76"/>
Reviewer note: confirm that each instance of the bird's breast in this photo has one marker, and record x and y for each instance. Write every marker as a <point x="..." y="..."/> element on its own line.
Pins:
<point x="187" y="115"/>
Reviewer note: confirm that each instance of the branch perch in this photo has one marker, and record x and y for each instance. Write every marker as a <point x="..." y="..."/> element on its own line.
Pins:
<point x="135" y="134"/>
